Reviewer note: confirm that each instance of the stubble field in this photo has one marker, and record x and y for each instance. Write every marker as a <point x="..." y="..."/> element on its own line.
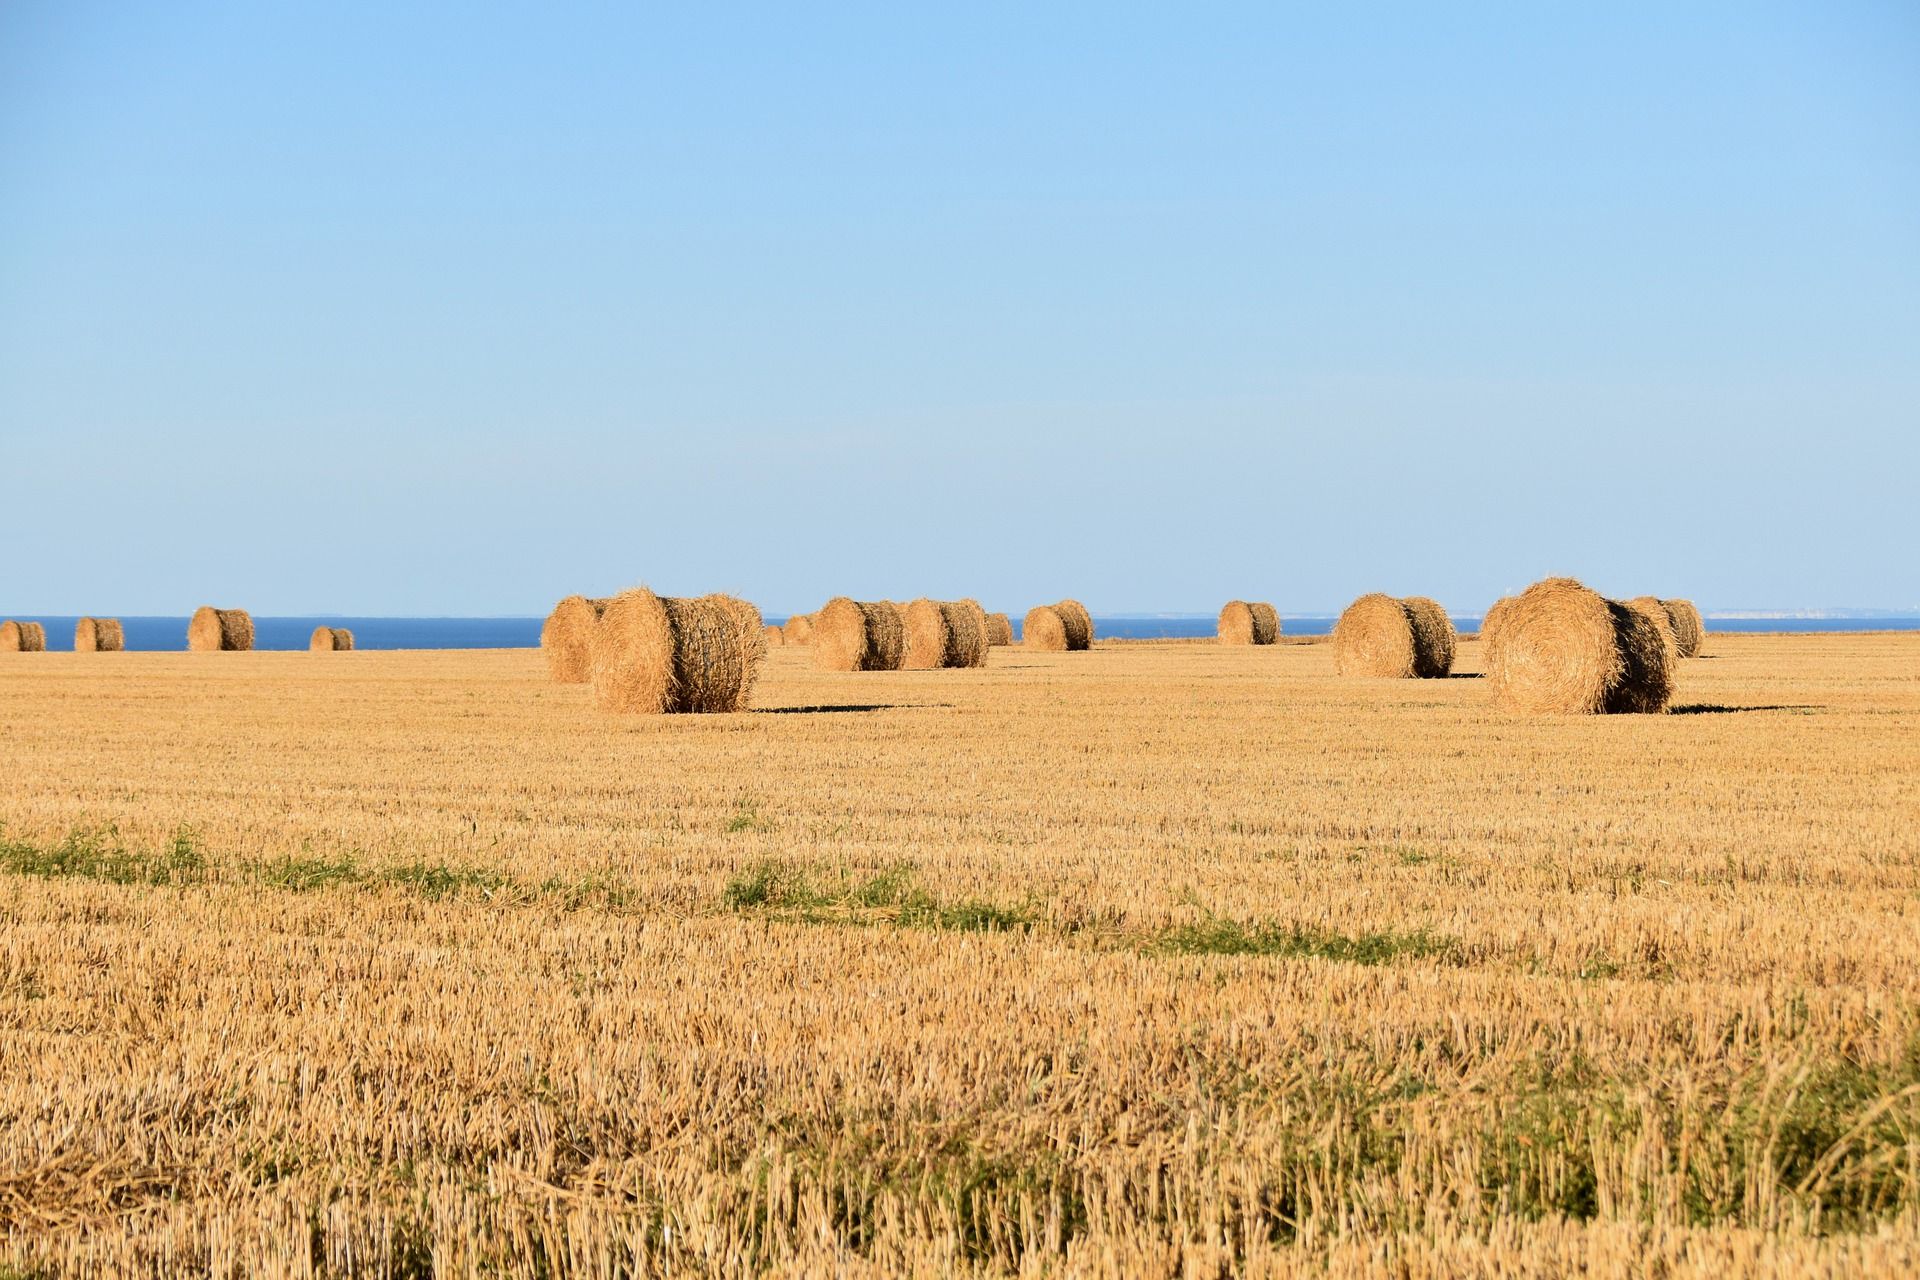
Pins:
<point x="1158" y="959"/>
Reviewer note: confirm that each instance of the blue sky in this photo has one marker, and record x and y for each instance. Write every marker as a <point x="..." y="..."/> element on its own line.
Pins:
<point x="461" y="309"/>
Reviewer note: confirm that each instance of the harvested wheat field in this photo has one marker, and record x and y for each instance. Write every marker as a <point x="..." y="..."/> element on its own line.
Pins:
<point x="1153" y="960"/>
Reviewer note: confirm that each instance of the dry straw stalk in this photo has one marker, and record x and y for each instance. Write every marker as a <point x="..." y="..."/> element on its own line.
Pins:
<point x="567" y="638"/>
<point x="858" y="635"/>
<point x="663" y="654"/>
<point x="219" y="630"/>
<point x="1565" y="648"/>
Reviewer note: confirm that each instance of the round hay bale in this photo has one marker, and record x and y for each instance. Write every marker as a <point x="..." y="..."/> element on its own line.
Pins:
<point x="1565" y="648"/>
<point x="999" y="629"/>
<point x="98" y="635"/>
<point x="1375" y="637"/>
<point x="1496" y="615"/>
<point x="1235" y="624"/>
<point x="776" y="638"/>
<point x="1656" y="613"/>
<point x="978" y="612"/>
<point x="330" y="640"/>
<point x="799" y="629"/>
<point x="219" y="630"/>
<point x="1079" y="624"/>
<point x="925" y="625"/>
<point x="655" y="655"/>
<point x="1243" y="623"/>
<point x="858" y="635"/>
<point x="966" y="634"/>
<point x="22" y="637"/>
<point x="1689" y="628"/>
<point x="567" y="638"/>
<point x="1433" y="637"/>
<point x="1044" y="629"/>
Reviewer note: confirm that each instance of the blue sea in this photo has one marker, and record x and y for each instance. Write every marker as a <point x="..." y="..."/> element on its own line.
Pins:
<point x="160" y="634"/>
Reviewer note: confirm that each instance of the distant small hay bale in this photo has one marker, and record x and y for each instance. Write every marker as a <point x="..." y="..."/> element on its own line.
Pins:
<point x="858" y="635"/>
<point x="1375" y="637"/>
<point x="330" y="640"/>
<point x="98" y="635"/>
<point x="776" y="638"/>
<point x="1496" y="616"/>
<point x="799" y="629"/>
<point x="219" y="630"/>
<point x="567" y="638"/>
<point x="1565" y="648"/>
<point x="1079" y="624"/>
<point x="1434" y="638"/>
<point x="1044" y="629"/>
<point x="655" y="655"/>
<point x="1243" y="623"/>
<point x="999" y="629"/>
<point x="22" y="637"/>
<point x="1656" y="613"/>
<point x="1689" y="628"/>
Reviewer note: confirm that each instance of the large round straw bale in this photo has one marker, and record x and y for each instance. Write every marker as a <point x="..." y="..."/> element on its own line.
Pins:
<point x="330" y="640"/>
<point x="1565" y="648"/>
<point x="1656" y="613"/>
<point x="342" y="640"/>
<point x="660" y="654"/>
<point x="1079" y="623"/>
<point x="567" y="638"/>
<point x="999" y="629"/>
<point x="214" y="630"/>
<point x="1235" y="624"/>
<point x="1243" y="623"/>
<point x="978" y="612"/>
<point x="1375" y="637"/>
<point x="776" y="638"/>
<point x="1496" y="615"/>
<point x="1689" y="628"/>
<point x="1433" y="637"/>
<point x="98" y="635"/>
<point x="1044" y="628"/>
<point x="799" y="629"/>
<point x="925" y="625"/>
<point x="22" y="637"/>
<point x="858" y="635"/>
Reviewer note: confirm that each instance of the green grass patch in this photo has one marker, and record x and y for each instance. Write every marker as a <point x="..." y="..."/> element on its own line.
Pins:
<point x="98" y="853"/>
<point x="891" y="896"/>
<point x="1218" y="936"/>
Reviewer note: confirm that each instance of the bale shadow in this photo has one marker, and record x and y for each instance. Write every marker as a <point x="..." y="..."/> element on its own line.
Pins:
<point x="1466" y="675"/>
<point x="837" y="708"/>
<point x="824" y="710"/>
<point x="1720" y="709"/>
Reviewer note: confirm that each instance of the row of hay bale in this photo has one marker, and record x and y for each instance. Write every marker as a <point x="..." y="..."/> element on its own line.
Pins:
<point x="90" y="635"/>
<point x="1248" y="623"/>
<point x="330" y="640"/>
<point x="1558" y="646"/>
<point x="655" y="655"/>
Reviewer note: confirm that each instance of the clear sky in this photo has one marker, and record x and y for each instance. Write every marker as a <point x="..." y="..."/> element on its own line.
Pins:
<point x="419" y="309"/>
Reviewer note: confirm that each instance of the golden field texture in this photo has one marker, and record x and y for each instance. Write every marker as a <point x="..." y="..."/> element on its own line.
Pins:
<point x="1159" y="960"/>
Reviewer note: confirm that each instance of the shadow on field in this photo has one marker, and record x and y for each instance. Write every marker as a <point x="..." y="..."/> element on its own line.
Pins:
<point x="1466" y="675"/>
<point x="837" y="707"/>
<point x="1718" y="709"/>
